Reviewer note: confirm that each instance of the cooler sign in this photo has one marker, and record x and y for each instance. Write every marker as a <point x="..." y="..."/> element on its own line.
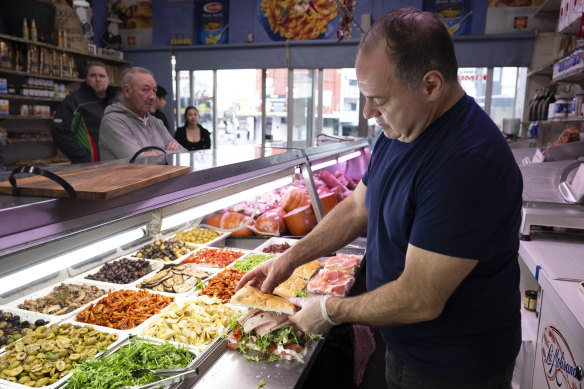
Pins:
<point x="559" y="365"/>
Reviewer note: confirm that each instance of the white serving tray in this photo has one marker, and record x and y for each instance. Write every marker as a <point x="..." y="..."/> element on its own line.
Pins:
<point x="134" y="330"/>
<point x="171" y="294"/>
<point x="184" y="300"/>
<point x="269" y="255"/>
<point x="156" y="265"/>
<point x="274" y="240"/>
<point x="121" y="338"/>
<point x="217" y="269"/>
<point x="45" y="291"/>
<point x="222" y="236"/>
<point x="28" y="316"/>
<point x="177" y="260"/>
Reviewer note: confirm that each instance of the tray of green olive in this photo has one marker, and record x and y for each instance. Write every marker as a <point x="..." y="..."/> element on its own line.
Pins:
<point x="44" y="357"/>
<point x="200" y="236"/>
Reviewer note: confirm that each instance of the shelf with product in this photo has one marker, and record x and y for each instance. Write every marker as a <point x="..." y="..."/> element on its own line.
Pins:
<point x="34" y="78"/>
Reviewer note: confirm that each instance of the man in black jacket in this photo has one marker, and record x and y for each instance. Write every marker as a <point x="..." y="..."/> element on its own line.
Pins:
<point x="159" y="105"/>
<point x="89" y="101"/>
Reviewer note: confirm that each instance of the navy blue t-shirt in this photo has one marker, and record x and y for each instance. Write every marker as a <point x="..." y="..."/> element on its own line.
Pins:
<point x="455" y="190"/>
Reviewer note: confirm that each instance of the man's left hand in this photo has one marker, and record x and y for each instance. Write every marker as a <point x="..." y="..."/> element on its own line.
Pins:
<point x="310" y="317"/>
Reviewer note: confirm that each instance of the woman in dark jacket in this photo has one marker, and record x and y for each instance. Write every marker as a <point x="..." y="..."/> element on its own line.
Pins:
<point x="193" y="136"/>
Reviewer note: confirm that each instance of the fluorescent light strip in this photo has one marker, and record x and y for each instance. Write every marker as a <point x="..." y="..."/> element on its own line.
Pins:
<point x="212" y="206"/>
<point x="347" y="157"/>
<point x="61" y="262"/>
<point x="322" y="165"/>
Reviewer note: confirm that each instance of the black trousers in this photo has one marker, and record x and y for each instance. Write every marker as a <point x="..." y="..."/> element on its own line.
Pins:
<point x="399" y="375"/>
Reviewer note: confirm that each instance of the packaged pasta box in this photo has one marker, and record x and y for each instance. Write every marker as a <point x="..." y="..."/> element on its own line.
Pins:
<point x="456" y="15"/>
<point x="212" y="21"/>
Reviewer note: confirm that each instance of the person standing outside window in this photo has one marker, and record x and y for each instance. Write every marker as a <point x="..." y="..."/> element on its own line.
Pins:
<point x="89" y="102"/>
<point x="441" y="205"/>
<point x="193" y="136"/>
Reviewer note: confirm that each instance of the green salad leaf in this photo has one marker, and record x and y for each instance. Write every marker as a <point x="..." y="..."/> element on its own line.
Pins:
<point x="114" y="370"/>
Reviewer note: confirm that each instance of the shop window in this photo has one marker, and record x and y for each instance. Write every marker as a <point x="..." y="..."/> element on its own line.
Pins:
<point x="239" y="107"/>
<point x="276" y="107"/>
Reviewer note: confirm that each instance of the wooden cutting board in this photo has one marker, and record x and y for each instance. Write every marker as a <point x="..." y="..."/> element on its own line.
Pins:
<point x="102" y="181"/>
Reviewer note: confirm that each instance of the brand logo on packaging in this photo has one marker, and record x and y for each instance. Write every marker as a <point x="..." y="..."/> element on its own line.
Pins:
<point x="213" y="7"/>
<point x="559" y="365"/>
<point x="520" y="22"/>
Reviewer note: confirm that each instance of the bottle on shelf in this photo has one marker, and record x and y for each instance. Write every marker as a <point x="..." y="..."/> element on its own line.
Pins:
<point x="33" y="31"/>
<point x="533" y="105"/>
<point x="25" y="29"/>
<point x="60" y="39"/>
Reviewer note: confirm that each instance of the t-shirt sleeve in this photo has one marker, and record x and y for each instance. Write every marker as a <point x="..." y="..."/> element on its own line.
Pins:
<point x="457" y="212"/>
<point x="380" y="143"/>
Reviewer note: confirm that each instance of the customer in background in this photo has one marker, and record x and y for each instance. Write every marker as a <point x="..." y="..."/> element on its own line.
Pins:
<point x="127" y="127"/>
<point x="159" y="105"/>
<point x="441" y="205"/>
<point x="193" y="136"/>
<point x="89" y="101"/>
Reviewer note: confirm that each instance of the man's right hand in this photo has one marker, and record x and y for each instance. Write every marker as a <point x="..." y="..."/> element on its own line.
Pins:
<point x="268" y="275"/>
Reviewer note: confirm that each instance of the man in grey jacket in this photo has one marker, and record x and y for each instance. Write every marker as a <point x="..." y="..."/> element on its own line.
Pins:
<point x="128" y="126"/>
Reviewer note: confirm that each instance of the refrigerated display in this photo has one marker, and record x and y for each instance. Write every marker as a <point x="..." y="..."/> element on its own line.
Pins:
<point x="45" y="241"/>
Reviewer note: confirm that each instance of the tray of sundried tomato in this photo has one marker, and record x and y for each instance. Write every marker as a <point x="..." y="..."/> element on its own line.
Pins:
<point x="214" y="257"/>
<point x="223" y="284"/>
<point x="124" y="309"/>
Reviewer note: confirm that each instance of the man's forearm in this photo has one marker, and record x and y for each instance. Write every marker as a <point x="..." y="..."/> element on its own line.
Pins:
<point x="388" y="305"/>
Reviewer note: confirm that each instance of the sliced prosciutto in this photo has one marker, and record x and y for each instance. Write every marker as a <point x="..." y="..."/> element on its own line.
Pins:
<point x="334" y="282"/>
<point x="264" y="322"/>
<point x="343" y="262"/>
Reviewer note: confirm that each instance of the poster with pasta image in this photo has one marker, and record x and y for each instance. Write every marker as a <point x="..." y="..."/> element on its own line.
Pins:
<point x="298" y="19"/>
<point x="136" y="21"/>
<point x="456" y="15"/>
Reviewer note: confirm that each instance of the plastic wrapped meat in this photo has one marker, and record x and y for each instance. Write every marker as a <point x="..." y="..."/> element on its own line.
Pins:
<point x="343" y="262"/>
<point x="333" y="282"/>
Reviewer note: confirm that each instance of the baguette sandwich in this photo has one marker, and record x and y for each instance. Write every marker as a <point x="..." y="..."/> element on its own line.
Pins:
<point x="266" y="328"/>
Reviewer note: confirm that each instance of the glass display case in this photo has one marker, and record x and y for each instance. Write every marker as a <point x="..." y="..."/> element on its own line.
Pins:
<point x="44" y="241"/>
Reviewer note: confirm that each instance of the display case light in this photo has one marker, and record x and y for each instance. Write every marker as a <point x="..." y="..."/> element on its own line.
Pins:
<point x="349" y="156"/>
<point x="212" y="206"/>
<point x="33" y="273"/>
<point x="322" y="165"/>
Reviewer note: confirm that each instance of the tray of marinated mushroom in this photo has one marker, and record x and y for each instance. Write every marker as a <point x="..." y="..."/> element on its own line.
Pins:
<point x="60" y="301"/>
<point x="44" y="357"/>
<point x="164" y="250"/>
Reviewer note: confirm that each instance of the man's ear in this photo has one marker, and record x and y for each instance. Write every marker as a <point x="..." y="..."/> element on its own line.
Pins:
<point x="126" y="90"/>
<point x="433" y="84"/>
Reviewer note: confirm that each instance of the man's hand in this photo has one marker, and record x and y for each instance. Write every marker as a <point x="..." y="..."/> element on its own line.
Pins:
<point x="310" y="318"/>
<point x="173" y="146"/>
<point x="267" y="275"/>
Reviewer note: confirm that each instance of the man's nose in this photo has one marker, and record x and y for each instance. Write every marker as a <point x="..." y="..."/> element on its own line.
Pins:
<point x="369" y="110"/>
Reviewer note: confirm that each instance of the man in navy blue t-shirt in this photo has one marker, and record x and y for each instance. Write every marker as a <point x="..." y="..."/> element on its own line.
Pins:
<point x="441" y="205"/>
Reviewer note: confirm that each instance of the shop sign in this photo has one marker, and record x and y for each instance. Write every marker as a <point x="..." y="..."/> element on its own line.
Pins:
<point x="560" y="367"/>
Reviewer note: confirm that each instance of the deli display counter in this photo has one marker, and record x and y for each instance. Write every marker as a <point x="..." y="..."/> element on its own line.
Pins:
<point x="46" y="241"/>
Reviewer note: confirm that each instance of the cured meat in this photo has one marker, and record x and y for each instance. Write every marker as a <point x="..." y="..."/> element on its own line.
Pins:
<point x="333" y="282"/>
<point x="264" y="322"/>
<point x="331" y="181"/>
<point x="343" y="262"/>
<point x="271" y="222"/>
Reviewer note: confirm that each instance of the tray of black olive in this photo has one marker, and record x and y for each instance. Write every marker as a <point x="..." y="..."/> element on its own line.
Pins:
<point x="124" y="272"/>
